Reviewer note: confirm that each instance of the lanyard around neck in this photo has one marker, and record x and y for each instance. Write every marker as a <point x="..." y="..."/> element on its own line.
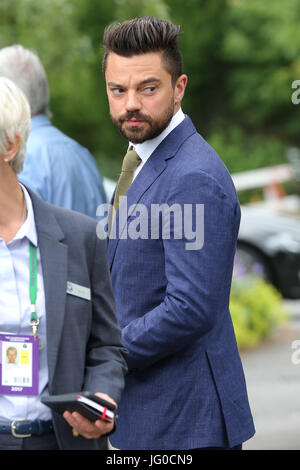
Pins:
<point x="34" y="321"/>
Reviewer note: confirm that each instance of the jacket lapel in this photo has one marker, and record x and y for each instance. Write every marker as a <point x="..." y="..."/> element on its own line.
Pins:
<point x="152" y="169"/>
<point x="54" y="258"/>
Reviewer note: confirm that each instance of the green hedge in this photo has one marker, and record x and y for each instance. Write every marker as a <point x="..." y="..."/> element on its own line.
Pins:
<point x="256" y="310"/>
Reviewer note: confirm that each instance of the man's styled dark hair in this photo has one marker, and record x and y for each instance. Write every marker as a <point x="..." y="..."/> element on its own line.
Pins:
<point x="142" y="35"/>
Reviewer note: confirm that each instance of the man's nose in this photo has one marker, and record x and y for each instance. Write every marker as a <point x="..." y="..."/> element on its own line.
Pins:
<point x="133" y="102"/>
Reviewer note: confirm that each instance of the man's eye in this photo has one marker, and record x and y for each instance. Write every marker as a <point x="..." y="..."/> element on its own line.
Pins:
<point x="117" y="91"/>
<point x="149" y="89"/>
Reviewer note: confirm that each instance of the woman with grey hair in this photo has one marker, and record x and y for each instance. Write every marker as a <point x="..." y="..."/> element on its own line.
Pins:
<point x="14" y="130"/>
<point x="56" y="307"/>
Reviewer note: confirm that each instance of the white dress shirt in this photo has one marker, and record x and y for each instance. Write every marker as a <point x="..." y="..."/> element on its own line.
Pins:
<point x="145" y="149"/>
<point x="15" y="313"/>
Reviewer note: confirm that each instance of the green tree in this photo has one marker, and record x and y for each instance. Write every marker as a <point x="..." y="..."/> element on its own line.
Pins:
<point x="241" y="58"/>
<point x="127" y="9"/>
<point x="49" y="28"/>
<point x="261" y="50"/>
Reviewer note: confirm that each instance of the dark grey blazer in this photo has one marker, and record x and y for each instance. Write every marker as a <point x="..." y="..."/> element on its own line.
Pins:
<point x="84" y="347"/>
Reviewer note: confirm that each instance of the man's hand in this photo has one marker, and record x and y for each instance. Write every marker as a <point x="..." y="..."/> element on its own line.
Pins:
<point x="86" y="428"/>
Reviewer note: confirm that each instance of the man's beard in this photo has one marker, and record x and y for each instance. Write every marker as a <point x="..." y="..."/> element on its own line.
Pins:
<point x="152" y="130"/>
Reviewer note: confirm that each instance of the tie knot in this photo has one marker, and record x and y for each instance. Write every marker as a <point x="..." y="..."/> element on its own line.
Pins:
<point x="131" y="161"/>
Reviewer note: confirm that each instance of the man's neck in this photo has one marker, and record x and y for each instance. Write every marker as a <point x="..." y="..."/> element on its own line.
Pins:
<point x="148" y="146"/>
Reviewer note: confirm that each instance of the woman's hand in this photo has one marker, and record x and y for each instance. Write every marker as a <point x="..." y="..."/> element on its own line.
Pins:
<point x="86" y="428"/>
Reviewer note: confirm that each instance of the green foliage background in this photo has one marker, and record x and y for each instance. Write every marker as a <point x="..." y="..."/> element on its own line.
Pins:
<point x="256" y="309"/>
<point x="241" y="58"/>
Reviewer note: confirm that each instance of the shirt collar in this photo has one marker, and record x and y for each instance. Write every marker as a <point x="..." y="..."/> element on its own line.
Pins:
<point x="145" y="149"/>
<point x="28" y="228"/>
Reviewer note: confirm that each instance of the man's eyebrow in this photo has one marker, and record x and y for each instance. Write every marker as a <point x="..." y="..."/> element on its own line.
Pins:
<point x="150" y="80"/>
<point x="114" y="84"/>
<point x="144" y="82"/>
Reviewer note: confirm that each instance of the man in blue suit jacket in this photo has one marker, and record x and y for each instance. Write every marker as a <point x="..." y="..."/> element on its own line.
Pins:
<point x="185" y="388"/>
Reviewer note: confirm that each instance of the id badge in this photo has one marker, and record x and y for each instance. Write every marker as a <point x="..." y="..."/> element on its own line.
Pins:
<point x="19" y="365"/>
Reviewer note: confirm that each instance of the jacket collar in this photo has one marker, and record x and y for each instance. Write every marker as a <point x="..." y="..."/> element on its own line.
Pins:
<point x="46" y="223"/>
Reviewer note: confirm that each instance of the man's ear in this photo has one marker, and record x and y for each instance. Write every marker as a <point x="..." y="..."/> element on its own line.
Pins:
<point x="179" y="88"/>
<point x="12" y="148"/>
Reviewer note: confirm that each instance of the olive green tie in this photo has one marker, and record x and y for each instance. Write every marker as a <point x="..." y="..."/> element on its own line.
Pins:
<point x="130" y="163"/>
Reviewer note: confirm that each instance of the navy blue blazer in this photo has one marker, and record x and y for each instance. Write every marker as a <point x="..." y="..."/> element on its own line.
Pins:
<point x="186" y="387"/>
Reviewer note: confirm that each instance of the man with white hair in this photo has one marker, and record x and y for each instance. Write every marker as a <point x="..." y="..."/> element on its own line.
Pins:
<point x="56" y="167"/>
<point x="56" y="306"/>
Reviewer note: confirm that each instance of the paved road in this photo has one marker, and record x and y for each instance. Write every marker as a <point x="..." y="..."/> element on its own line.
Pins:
<point x="273" y="383"/>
